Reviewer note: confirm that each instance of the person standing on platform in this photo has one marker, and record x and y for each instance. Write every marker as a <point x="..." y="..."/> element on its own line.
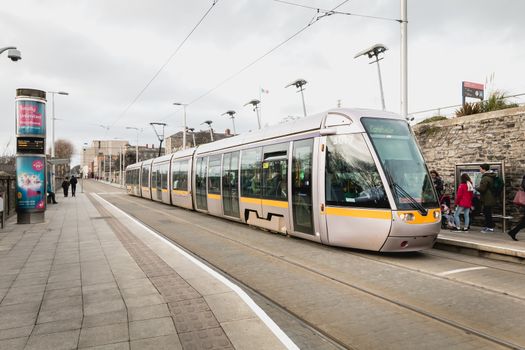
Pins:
<point x="65" y="186"/>
<point x="514" y="231"/>
<point x="463" y="202"/>
<point x="488" y="201"/>
<point x="438" y="183"/>
<point x="50" y="193"/>
<point x="73" y="183"/>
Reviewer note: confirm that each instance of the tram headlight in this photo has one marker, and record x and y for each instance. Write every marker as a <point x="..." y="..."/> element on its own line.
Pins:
<point x="407" y="217"/>
<point x="437" y="214"/>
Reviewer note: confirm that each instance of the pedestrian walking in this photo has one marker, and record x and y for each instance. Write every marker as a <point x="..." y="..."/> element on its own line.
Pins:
<point x="463" y="203"/>
<point x="73" y="181"/>
<point x="514" y="231"/>
<point x="488" y="200"/>
<point x="65" y="186"/>
<point x="438" y="183"/>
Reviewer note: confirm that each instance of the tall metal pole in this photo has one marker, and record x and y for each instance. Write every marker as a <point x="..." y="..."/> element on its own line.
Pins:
<point x="380" y="84"/>
<point x="184" y="131"/>
<point x="137" y="148"/>
<point x="404" y="59"/>
<point x="304" y="105"/>
<point x="258" y="116"/>
<point x="53" y="143"/>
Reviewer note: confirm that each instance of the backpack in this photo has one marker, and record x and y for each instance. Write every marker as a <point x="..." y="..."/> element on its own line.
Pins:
<point x="497" y="186"/>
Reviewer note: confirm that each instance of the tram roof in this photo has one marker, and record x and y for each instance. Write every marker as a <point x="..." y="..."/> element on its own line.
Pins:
<point x="309" y="123"/>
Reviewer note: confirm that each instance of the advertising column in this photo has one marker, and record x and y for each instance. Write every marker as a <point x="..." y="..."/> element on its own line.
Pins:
<point x="30" y="107"/>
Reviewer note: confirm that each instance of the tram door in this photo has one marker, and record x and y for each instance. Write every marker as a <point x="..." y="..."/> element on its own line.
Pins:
<point x="200" y="183"/>
<point x="230" y="184"/>
<point x="302" y="186"/>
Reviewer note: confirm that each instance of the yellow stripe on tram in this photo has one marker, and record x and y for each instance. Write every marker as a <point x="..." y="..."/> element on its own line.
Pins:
<point x="360" y="213"/>
<point x="145" y="188"/>
<point x="180" y="193"/>
<point x="164" y="190"/>
<point x="214" y="196"/>
<point x="266" y="202"/>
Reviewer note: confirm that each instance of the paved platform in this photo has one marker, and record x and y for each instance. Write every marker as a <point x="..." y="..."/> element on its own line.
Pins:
<point x="496" y="244"/>
<point x="91" y="277"/>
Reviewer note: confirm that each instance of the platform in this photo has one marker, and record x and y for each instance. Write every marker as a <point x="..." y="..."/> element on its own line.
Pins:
<point x="90" y="277"/>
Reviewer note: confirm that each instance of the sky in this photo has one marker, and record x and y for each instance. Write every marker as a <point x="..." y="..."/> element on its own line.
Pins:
<point x="105" y="53"/>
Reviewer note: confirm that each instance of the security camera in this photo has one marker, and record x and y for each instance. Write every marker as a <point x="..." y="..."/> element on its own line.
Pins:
<point x="14" y="55"/>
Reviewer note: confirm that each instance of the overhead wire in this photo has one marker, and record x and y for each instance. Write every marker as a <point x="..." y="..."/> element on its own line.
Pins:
<point x="314" y="20"/>
<point x="338" y="12"/>
<point x="165" y="63"/>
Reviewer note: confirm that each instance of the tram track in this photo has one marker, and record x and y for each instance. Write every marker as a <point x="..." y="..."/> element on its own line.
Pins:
<point x="331" y="278"/>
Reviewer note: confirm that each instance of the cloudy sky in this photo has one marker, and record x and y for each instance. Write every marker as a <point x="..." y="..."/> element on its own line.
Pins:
<point x="104" y="53"/>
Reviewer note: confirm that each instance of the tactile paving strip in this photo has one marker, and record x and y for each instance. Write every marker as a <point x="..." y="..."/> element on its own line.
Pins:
<point x="196" y="325"/>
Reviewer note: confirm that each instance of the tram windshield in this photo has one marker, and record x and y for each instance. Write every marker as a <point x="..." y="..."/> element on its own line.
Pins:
<point x="402" y="163"/>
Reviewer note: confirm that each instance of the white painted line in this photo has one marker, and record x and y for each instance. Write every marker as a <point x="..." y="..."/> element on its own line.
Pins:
<point x="276" y="330"/>
<point x="446" y="273"/>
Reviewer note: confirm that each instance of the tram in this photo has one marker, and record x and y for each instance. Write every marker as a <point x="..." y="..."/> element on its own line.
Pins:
<point x="346" y="177"/>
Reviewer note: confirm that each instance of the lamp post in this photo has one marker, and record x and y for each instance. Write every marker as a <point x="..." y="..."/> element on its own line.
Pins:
<point x="137" y="146"/>
<point x="375" y="51"/>
<point x="159" y="136"/>
<point x="13" y="53"/>
<point x="404" y="59"/>
<point x="193" y="135"/>
<point x="231" y="113"/>
<point x="209" y="122"/>
<point x="255" y="104"/>
<point x="299" y="83"/>
<point x="183" y="122"/>
<point x="53" y="93"/>
<point x="84" y="146"/>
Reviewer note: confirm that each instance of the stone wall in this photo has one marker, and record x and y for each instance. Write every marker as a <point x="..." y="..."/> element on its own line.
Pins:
<point x="488" y="137"/>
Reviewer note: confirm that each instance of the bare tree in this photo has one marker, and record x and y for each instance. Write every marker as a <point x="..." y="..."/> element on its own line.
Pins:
<point x="64" y="149"/>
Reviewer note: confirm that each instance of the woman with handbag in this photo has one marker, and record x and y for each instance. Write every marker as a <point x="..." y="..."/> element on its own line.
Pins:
<point x="463" y="202"/>
<point x="519" y="200"/>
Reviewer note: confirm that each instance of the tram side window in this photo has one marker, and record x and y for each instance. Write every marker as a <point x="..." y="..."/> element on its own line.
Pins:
<point x="180" y="175"/>
<point x="164" y="176"/>
<point x="275" y="172"/>
<point x="351" y="176"/>
<point x="251" y="173"/>
<point x="214" y="175"/>
<point x="175" y="168"/>
<point x="154" y="176"/>
<point x="145" y="177"/>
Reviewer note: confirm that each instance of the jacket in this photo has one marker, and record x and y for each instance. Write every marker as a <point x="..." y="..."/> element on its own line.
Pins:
<point x="464" y="196"/>
<point x="485" y="189"/>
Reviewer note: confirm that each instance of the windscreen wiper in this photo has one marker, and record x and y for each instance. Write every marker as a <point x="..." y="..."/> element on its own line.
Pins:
<point x="415" y="204"/>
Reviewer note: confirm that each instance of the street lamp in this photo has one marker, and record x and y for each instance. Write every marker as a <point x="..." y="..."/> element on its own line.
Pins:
<point x="209" y="122"/>
<point x="183" y="122"/>
<point x="231" y="113"/>
<point x="375" y="51"/>
<point x="159" y="136"/>
<point x="193" y="135"/>
<point x="299" y="83"/>
<point x="84" y="146"/>
<point x="137" y="146"/>
<point x="13" y="53"/>
<point x="53" y="93"/>
<point x="255" y="104"/>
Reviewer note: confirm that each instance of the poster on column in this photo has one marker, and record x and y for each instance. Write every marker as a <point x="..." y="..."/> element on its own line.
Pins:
<point x="30" y="183"/>
<point x="30" y="117"/>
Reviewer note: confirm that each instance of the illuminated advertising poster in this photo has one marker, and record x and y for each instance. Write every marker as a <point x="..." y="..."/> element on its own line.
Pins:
<point x="30" y="117"/>
<point x="31" y="183"/>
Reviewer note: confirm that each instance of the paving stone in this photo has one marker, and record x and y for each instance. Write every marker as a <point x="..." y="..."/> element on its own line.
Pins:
<point x="195" y="321"/>
<point x="58" y="302"/>
<point x="148" y="312"/>
<point x="62" y="293"/>
<point x="114" y="346"/>
<point x="106" y="318"/>
<point x="244" y="333"/>
<point x="138" y="291"/>
<point x="228" y="307"/>
<point x="146" y="300"/>
<point x="16" y="332"/>
<point x="207" y="339"/>
<point x="13" y="344"/>
<point x="151" y="328"/>
<point x="60" y="313"/>
<point x="99" y="287"/>
<point x="58" y="326"/>
<point x="63" y="284"/>
<point x="54" y="341"/>
<point x="168" y="342"/>
<point x="104" y="306"/>
<point x="16" y="319"/>
<point x="103" y="335"/>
